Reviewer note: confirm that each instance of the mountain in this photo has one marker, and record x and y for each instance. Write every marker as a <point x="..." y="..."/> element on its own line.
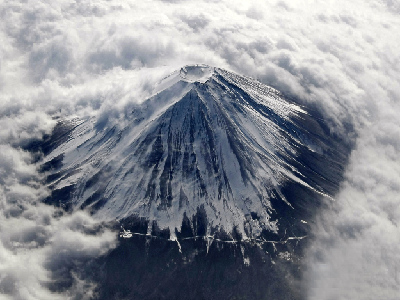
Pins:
<point x="211" y="160"/>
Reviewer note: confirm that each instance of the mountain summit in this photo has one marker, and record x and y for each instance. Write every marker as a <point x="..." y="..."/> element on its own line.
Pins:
<point x="208" y="144"/>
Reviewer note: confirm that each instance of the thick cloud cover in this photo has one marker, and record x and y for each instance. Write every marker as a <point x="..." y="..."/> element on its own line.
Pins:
<point x="93" y="58"/>
<point x="40" y="250"/>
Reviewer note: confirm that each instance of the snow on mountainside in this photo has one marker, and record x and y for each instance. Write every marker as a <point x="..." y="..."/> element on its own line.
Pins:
<point x="209" y="141"/>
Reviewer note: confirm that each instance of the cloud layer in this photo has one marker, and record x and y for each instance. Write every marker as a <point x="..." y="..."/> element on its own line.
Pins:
<point x="94" y="58"/>
<point x="356" y="254"/>
<point x="40" y="249"/>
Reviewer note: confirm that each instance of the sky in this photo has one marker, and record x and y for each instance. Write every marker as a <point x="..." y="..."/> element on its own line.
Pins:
<point x="93" y="58"/>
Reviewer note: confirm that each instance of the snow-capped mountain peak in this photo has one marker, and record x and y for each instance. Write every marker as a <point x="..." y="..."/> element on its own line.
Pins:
<point x="209" y="143"/>
<point x="196" y="73"/>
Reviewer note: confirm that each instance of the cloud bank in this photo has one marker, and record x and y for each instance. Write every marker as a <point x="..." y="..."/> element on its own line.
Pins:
<point x="42" y="251"/>
<point x="94" y="58"/>
<point x="356" y="254"/>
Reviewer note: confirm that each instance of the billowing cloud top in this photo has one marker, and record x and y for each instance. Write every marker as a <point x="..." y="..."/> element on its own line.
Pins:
<point x="94" y="58"/>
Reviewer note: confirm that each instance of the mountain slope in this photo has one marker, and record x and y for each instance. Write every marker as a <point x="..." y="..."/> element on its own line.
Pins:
<point x="209" y="142"/>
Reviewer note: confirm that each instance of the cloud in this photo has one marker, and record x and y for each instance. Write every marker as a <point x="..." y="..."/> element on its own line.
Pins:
<point x="356" y="253"/>
<point x="41" y="250"/>
<point x="96" y="59"/>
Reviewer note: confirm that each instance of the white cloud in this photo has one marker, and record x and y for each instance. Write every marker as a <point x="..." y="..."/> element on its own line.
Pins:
<point x="85" y="58"/>
<point x="39" y="248"/>
<point x="356" y="254"/>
